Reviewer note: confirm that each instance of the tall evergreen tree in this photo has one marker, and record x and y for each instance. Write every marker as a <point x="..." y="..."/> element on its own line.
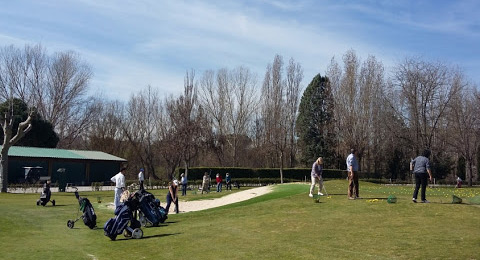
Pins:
<point x="315" y="122"/>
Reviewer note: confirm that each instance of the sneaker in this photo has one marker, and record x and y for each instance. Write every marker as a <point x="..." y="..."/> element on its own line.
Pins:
<point x="310" y="195"/>
<point x="351" y="198"/>
<point x="320" y="194"/>
<point x="425" y="201"/>
<point x="414" y="200"/>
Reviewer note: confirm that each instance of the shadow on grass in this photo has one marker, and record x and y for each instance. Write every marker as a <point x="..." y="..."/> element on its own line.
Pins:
<point x="371" y="198"/>
<point x="147" y="237"/>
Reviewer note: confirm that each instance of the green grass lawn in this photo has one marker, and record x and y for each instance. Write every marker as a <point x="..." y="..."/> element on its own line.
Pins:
<point x="284" y="224"/>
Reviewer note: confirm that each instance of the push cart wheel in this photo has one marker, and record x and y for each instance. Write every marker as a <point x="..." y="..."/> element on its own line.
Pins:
<point x="127" y="233"/>
<point x="137" y="233"/>
<point x="70" y="223"/>
<point x="38" y="202"/>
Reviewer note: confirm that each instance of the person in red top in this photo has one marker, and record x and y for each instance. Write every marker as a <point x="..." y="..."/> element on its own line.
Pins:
<point x="219" y="182"/>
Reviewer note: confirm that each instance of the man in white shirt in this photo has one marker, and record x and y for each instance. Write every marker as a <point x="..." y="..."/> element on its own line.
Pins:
<point x="352" y="168"/>
<point x="141" y="178"/>
<point x="119" y="180"/>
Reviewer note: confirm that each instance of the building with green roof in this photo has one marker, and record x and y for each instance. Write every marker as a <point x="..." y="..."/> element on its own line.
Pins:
<point x="79" y="167"/>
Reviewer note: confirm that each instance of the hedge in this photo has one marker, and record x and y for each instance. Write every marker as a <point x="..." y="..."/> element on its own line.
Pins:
<point x="298" y="174"/>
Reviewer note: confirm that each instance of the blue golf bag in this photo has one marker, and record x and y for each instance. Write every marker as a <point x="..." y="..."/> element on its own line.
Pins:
<point x="123" y="216"/>
<point x="150" y="209"/>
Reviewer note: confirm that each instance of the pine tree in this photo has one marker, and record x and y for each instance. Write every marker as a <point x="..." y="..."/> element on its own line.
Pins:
<point x="315" y="122"/>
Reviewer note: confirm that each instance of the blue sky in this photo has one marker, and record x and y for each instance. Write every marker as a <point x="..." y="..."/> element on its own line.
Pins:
<point x="133" y="44"/>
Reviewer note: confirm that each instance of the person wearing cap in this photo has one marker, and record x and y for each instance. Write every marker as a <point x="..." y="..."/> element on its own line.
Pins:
<point x="141" y="178"/>
<point x="172" y="196"/>
<point x="218" y="179"/>
<point x="119" y="180"/>
<point x="316" y="175"/>
<point x="228" y="181"/>
<point x="184" y="182"/>
<point x="352" y="168"/>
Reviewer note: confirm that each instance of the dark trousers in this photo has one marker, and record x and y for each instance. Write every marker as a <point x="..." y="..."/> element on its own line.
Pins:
<point x="169" y="201"/>
<point x="141" y="185"/>
<point x="353" y="185"/>
<point x="184" y="189"/>
<point x="420" y="179"/>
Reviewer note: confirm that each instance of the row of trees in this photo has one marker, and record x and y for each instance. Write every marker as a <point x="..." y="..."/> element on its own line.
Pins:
<point x="228" y="117"/>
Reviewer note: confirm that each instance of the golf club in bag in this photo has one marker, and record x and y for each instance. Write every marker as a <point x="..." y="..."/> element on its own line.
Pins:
<point x="88" y="213"/>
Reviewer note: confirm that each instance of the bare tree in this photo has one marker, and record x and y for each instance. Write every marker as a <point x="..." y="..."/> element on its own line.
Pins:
<point x="241" y="104"/>
<point x="139" y="127"/>
<point x="105" y="132"/>
<point x="357" y="89"/>
<point x="189" y="122"/>
<point x="62" y="101"/>
<point x="464" y="124"/>
<point x="426" y="91"/>
<point x="168" y="148"/>
<point x="280" y="99"/>
<point x="213" y="97"/>
<point x="293" y="89"/>
<point x="8" y="142"/>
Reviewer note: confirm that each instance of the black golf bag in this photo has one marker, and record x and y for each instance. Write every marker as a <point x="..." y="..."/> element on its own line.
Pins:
<point x="88" y="213"/>
<point x="45" y="196"/>
<point x="124" y="215"/>
<point x="150" y="209"/>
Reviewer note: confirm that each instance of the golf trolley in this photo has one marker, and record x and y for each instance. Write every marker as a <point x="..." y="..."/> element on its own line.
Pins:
<point x="88" y="213"/>
<point x="45" y="196"/>
<point x="149" y="209"/>
<point x="123" y="216"/>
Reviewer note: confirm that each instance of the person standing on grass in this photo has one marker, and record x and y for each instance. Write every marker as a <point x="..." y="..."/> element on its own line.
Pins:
<point x="420" y="167"/>
<point x="184" y="183"/>
<point x="119" y="180"/>
<point x="219" y="180"/>
<point x="228" y="181"/>
<point x="317" y="169"/>
<point x="352" y="168"/>
<point x="459" y="182"/>
<point x="172" y="196"/>
<point x="141" y="178"/>
<point x="205" y="182"/>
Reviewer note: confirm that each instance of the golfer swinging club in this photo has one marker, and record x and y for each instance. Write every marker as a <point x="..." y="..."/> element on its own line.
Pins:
<point x="317" y="169"/>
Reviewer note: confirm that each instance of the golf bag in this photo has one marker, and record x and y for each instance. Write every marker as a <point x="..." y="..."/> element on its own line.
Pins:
<point x="88" y="213"/>
<point x="150" y="209"/>
<point x="45" y="196"/>
<point x="124" y="215"/>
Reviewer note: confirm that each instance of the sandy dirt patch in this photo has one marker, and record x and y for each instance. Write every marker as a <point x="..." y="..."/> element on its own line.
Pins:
<point x="187" y="206"/>
<point x="197" y="205"/>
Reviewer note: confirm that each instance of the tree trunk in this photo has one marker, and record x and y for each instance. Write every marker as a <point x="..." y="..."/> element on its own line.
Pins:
<point x="469" y="171"/>
<point x="281" y="167"/>
<point x="4" y="168"/>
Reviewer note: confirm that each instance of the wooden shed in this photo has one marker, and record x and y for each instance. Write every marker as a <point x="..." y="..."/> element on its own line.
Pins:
<point x="80" y="167"/>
